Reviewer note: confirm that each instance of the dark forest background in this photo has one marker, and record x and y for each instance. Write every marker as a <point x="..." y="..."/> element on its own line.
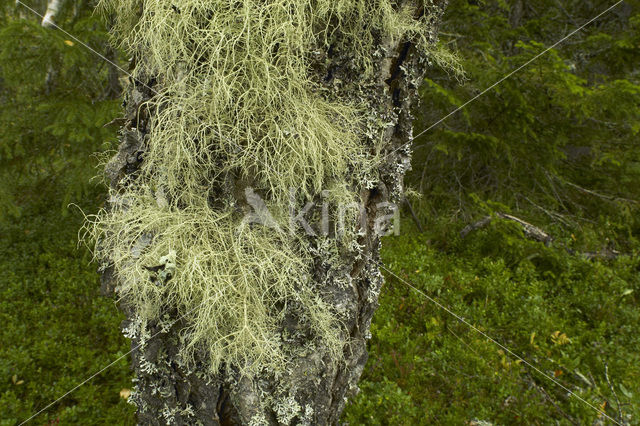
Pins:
<point x="522" y="217"/>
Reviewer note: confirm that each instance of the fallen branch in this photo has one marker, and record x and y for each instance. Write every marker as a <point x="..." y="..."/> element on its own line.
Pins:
<point x="475" y="226"/>
<point x="537" y="234"/>
<point x="606" y="253"/>
<point x="530" y="231"/>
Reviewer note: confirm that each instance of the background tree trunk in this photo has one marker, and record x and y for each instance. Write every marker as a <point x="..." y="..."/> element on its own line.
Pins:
<point x="315" y="388"/>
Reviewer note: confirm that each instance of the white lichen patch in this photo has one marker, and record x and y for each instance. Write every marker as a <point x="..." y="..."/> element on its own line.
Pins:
<point x="286" y="409"/>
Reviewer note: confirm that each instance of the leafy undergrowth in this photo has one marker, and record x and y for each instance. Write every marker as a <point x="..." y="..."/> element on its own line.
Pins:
<point x="56" y="329"/>
<point x="570" y="317"/>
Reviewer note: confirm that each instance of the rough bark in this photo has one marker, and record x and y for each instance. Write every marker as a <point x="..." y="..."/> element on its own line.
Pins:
<point x="315" y="388"/>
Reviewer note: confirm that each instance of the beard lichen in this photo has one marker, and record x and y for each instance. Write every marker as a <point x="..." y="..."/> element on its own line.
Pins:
<point x="230" y="283"/>
<point x="238" y="102"/>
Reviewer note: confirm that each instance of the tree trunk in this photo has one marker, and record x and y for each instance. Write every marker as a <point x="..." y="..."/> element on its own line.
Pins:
<point x="313" y="385"/>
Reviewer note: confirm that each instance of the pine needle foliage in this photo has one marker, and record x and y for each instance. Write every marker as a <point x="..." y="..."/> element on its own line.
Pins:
<point x="552" y="138"/>
<point x="237" y="101"/>
<point x="56" y="97"/>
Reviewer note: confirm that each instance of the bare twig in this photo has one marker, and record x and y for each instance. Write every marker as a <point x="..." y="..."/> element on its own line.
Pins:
<point x="606" y="375"/>
<point x="548" y="398"/>
<point x="413" y="215"/>
<point x="553" y="215"/>
<point x="602" y="196"/>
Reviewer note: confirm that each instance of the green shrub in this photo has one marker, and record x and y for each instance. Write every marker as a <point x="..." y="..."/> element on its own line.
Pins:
<point x="568" y="316"/>
<point x="56" y="329"/>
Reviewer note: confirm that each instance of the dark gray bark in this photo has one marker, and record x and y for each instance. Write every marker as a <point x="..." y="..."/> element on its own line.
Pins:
<point x="315" y="388"/>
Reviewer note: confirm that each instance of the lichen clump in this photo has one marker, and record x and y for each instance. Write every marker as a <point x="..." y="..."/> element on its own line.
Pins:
<point x="238" y="102"/>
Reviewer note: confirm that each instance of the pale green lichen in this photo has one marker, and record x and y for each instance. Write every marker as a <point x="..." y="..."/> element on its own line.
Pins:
<point x="238" y="103"/>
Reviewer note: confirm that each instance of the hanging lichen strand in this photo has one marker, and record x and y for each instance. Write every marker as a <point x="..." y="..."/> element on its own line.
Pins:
<point x="237" y="105"/>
